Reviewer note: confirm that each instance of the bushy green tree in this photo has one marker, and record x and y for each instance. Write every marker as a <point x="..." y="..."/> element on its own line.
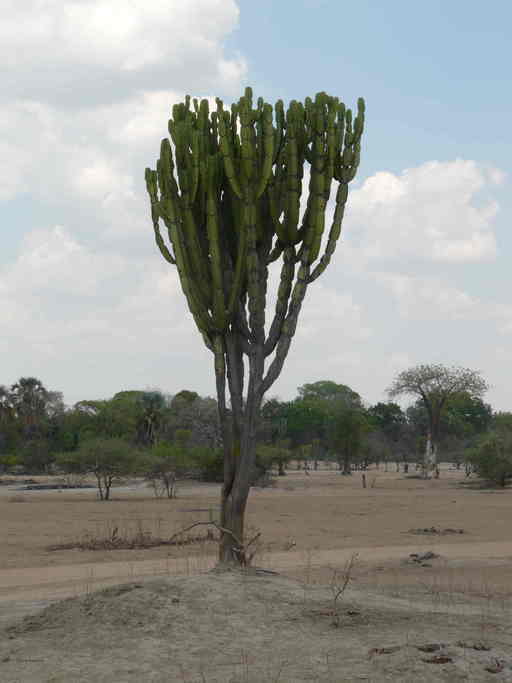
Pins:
<point x="327" y="390"/>
<point x="30" y="417"/>
<point x="346" y="432"/>
<point x="210" y="464"/>
<point x="109" y="459"/>
<point x="165" y="464"/>
<point x="276" y="455"/>
<point x="389" y="418"/>
<point x="492" y="458"/>
<point x="9" y="429"/>
<point x="306" y="419"/>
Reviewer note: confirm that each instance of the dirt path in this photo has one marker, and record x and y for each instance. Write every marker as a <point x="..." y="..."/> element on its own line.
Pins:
<point x="49" y="583"/>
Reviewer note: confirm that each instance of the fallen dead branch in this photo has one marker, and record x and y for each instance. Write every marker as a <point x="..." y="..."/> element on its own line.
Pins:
<point x="145" y="539"/>
<point x="435" y="531"/>
<point x="242" y="556"/>
<point x="140" y="540"/>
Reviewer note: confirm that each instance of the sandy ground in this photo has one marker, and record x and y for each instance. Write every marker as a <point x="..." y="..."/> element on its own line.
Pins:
<point x="265" y="627"/>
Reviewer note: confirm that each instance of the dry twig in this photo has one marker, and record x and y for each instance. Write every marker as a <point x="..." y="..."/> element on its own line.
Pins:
<point x="339" y="583"/>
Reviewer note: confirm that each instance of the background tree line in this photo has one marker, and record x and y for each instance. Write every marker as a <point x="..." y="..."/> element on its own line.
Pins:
<point x="167" y="437"/>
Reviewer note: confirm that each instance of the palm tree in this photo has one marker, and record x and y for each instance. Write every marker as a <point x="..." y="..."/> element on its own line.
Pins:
<point x="152" y="404"/>
<point x="29" y="400"/>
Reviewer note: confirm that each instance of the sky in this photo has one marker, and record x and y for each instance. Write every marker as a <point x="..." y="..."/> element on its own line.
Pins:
<point x="423" y="271"/>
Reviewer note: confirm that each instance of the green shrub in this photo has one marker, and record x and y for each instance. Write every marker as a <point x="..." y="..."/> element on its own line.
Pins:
<point x="109" y="459"/>
<point x="492" y="458"/>
<point x="210" y="464"/>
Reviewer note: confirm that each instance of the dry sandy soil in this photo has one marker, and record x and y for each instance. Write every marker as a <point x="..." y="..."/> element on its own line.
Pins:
<point x="173" y="619"/>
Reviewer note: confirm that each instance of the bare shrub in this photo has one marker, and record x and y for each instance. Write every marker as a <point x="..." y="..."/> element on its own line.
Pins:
<point x="116" y="539"/>
<point x="340" y="580"/>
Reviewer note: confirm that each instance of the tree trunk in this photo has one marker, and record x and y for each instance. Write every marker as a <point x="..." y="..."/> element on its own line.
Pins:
<point x="108" y="486"/>
<point x="238" y="433"/>
<point x="346" y="465"/>
<point x="235" y="493"/>
<point x="430" y="465"/>
<point x="231" y="547"/>
<point x="100" y="487"/>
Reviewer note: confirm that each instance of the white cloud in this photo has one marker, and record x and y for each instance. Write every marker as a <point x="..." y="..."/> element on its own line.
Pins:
<point x="429" y="213"/>
<point x="426" y="298"/>
<point x="329" y="318"/>
<point x="92" y="87"/>
<point x="86" y="102"/>
<point x="87" y="49"/>
<point x="66" y="306"/>
<point x="89" y="304"/>
<point x="53" y="262"/>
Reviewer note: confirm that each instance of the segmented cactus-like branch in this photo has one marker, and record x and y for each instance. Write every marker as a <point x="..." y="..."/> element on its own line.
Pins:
<point x="228" y="188"/>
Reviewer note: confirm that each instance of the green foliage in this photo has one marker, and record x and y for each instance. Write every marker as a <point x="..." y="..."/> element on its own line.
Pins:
<point x="151" y="409"/>
<point x="165" y="464"/>
<point x="306" y="420"/>
<point x="109" y="459"/>
<point x="182" y="437"/>
<point x="492" y="458"/>
<point x="133" y="415"/>
<point x="210" y="464"/>
<point x="8" y="462"/>
<point x="437" y="382"/>
<point x="326" y="416"/>
<point x="466" y="415"/>
<point x="30" y="417"/>
<point x="184" y="396"/>
<point x="388" y="417"/>
<point x="326" y="390"/>
<point x="462" y="420"/>
<point x="34" y="455"/>
<point x="197" y="417"/>
<point x="274" y="420"/>
<point x="502" y="421"/>
<point x="347" y="427"/>
<point x="114" y="418"/>
<point x="268" y="457"/>
<point x="434" y="386"/>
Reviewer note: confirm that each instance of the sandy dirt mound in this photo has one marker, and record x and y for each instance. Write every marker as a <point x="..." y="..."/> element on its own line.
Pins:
<point x="247" y="628"/>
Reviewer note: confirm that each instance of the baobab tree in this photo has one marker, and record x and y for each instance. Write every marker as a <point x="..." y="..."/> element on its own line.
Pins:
<point x="434" y="385"/>
<point x="228" y="189"/>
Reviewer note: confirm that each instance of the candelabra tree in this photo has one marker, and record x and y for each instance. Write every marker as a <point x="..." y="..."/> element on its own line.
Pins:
<point x="228" y="188"/>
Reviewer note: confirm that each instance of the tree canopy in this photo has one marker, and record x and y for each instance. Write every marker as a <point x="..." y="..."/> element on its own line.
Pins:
<point x="434" y="385"/>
